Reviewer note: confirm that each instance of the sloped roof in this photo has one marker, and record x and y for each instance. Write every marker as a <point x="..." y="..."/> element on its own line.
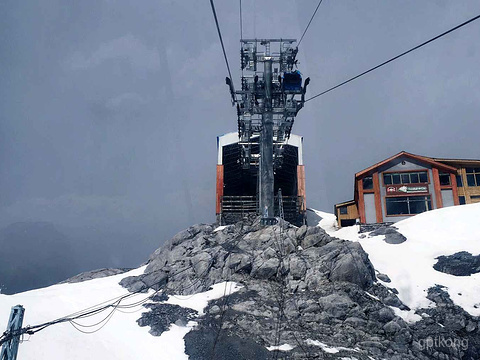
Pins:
<point x="420" y="158"/>
<point x="349" y="202"/>
<point x="458" y="161"/>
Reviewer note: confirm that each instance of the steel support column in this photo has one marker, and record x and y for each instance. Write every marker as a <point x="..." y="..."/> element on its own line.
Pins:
<point x="10" y="346"/>
<point x="266" y="147"/>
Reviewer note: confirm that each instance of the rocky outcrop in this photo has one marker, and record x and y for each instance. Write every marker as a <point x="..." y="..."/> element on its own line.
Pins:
<point x="459" y="264"/>
<point x="306" y="257"/>
<point x="299" y="287"/>
<point x="94" y="274"/>
<point x="446" y="331"/>
<point x="392" y="236"/>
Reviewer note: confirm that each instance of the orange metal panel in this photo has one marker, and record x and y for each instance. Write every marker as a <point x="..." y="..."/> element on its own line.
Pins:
<point x="436" y="185"/>
<point x="219" y="188"/>
<point x="453" y="181"/>
<point x="301" y="185"/>
<point x="378" y="200"/>
<point x="361" y="202"/>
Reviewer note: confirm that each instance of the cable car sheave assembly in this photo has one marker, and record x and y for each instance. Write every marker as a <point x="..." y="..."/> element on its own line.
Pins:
<point x="271" y="96"/>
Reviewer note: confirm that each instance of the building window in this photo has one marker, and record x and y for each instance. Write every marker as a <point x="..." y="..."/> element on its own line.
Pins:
<point x="347" y="222"/>
<point x="459" y="181"/>
<point x="461" y="200"/>
<point x="367" y="183"/>
<point x="473" y="176"/>
<point x="343" y="210"/>
<point x="444" y="179"/>
<point x="475" y="198"/>
<point x="417" y="177"/>
<point x="408" y="205"/>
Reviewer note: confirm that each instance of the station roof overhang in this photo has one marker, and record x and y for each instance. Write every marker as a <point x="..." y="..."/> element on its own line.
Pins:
<point x="232" y="138"/>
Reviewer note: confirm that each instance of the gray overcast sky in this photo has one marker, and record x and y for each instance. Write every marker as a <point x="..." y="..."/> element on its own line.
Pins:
<point x="110" y="109"/>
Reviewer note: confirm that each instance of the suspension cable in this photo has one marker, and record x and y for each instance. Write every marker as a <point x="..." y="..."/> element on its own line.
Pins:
<point x="311" y="19"/>
<point x="396" y="57"/>
<point x="221" y="42"/>
<point x="241" y="21"/>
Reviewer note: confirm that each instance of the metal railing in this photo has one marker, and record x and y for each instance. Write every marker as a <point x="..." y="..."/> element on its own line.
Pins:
<point x="238" y="207"/>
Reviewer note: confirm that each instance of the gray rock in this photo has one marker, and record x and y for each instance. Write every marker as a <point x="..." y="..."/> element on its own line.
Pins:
<point x="161" y="316"/>
<point x="134" y="284"/>
<point x="301" y="232"/>
<point x="383" y="277"/>
<point x="336" y="305"/>
<point x="352" y="265"/>
<point x="298" y="267"/>
<point x="392" y="236"/>
<point x="94" y="274"/>
<point x="459" y="264"/>
<point x="201" y="263"/>
<point x="385" y="314"/>
<point x="392" y="327"/>
<point x="155" y="280"/>
<point x="318" y="293"/>
<point x="265" y="269"/>
<point x="199" y="345"/>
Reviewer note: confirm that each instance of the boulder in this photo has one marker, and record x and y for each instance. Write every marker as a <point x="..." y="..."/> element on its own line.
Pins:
<point x="459" y="264"/>
<point x="392" y="236"/>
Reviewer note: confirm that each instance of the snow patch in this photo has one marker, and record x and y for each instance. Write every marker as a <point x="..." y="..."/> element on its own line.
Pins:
<point x="199" y="302"/>
<point x="284" y="347"/>
<point x="372" y="296"/>
<point x="220" y="228"/>
<point x="409" y="265"/>
<point x="327" y="348"/>
<point x="62" y="341"/>
<point x="408" y="316"/>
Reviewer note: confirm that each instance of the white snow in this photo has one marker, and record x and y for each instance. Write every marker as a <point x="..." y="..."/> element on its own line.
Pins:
<point x="327" y="348"/>
<point x="199" y="303"/>
<point x="408" y="316"/>
<point x="372" y="296"/>
<point x="410" y="264"/>
<point x="284" y="347"/>
<point x="121" y="338"/>
<point x="220" y="228"/>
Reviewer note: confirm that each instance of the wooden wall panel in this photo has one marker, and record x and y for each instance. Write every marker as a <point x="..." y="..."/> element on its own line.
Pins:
<point x="378" y="199"/>
<point x="453" y="181"/>
<point x="436" y="185"/>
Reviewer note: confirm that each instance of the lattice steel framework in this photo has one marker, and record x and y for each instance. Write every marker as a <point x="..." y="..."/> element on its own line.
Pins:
<point x="252" y="100"/>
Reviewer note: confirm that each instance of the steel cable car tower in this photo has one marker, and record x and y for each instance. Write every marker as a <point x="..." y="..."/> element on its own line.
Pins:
<point x="271" y="96"/>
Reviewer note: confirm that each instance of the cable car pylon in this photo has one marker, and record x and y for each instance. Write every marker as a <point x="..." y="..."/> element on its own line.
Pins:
<point x="270" y="98"/>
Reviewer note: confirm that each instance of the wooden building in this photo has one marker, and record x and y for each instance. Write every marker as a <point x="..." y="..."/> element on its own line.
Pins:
<point x="237" y="186"/>
<point x="407" y="184"/>
<point x="468" y="179"/>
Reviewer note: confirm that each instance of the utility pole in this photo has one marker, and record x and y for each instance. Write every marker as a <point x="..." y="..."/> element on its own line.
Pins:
<point x="12" y="334"/>
<point x="271" y="95"/>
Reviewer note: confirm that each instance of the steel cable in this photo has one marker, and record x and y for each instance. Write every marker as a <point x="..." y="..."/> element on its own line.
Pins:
<point x="396" y="57"/>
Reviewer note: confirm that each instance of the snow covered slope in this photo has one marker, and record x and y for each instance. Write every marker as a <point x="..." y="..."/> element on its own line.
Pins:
<point x="410" y="264"/>
<point x="120" y="338"/>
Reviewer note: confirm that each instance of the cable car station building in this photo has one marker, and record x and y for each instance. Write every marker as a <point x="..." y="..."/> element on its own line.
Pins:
<point x="405" y="185"/>
<point x="237" y="195"/>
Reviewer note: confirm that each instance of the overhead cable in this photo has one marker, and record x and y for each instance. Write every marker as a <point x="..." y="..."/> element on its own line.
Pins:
<point x="311" y="19"/>
<point x="396" y="57"/>
<point x="221" y="42"/>
<point x="101" y="307"/>
<point x="241" y="21"/>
